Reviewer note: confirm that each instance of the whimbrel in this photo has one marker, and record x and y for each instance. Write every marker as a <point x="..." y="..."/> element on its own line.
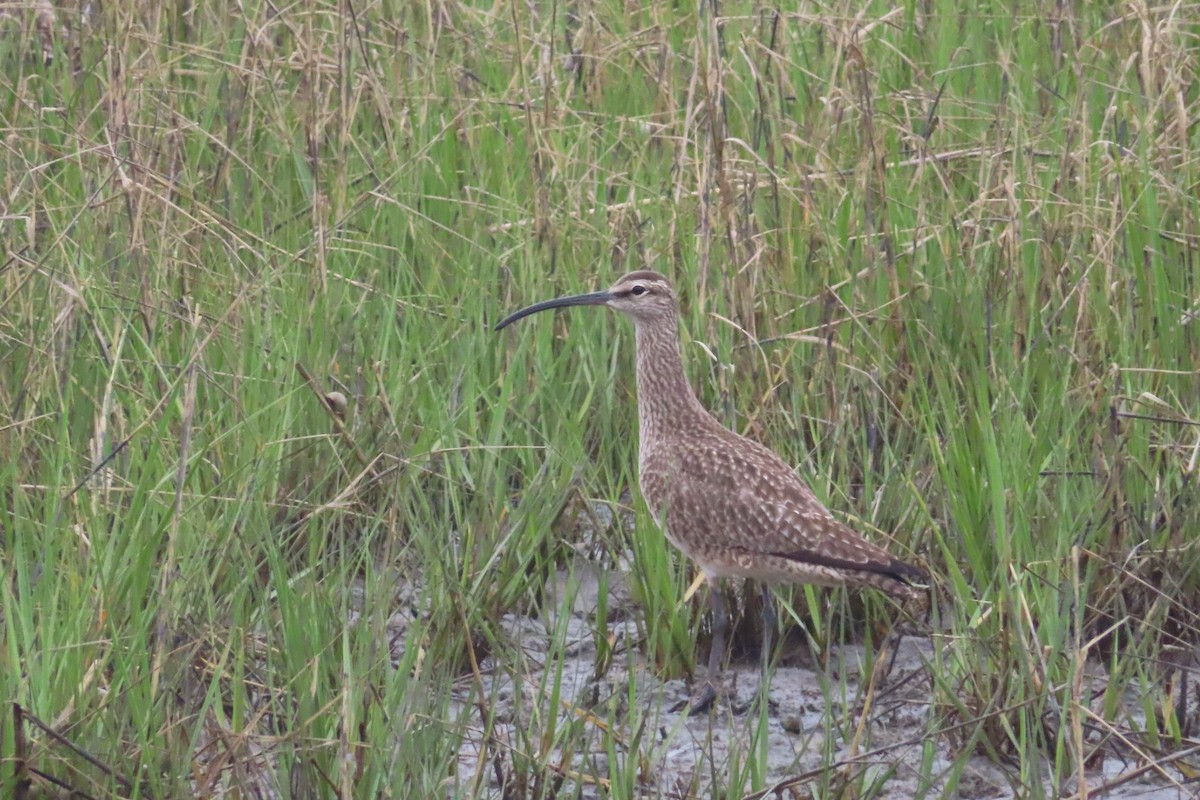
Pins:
<point x="730" y="504"/>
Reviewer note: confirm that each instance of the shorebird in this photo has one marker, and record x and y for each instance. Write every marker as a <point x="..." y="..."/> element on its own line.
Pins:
<point x="727" y="502"/>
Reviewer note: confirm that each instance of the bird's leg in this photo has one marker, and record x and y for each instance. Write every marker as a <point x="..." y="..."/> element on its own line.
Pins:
<point x="720" y="632"/>
<point x="707" y="692"/>
<point x="704" y="695"/>
<point x="769" y="620"/>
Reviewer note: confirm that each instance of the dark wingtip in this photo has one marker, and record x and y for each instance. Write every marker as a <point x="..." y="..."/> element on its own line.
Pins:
<point x="900" y="571"/>
<point x="903" y="571"/>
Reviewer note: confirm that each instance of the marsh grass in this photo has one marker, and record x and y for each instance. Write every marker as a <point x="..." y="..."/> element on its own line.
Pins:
<point x="941" y="256"/>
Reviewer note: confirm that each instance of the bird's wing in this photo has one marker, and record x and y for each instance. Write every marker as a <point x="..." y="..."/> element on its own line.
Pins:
<point x="746" y="496"/>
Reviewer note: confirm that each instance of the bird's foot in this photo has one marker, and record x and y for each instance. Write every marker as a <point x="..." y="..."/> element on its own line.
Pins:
<point x="761" y="696"/>
<point x="704" y="695"/>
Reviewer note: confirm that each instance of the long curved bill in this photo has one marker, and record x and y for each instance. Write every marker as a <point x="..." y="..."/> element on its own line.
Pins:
<point x="593" y="299"/>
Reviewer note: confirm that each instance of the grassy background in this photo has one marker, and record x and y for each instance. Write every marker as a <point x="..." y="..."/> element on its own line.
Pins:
<point x="941" y="256"/>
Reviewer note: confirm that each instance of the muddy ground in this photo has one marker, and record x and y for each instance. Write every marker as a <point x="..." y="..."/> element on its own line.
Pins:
<point x="817" y="732"/>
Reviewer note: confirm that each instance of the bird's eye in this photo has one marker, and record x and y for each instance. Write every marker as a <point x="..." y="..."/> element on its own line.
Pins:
<point x="637" y="290"/>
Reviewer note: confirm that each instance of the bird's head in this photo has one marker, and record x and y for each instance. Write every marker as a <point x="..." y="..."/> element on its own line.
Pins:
<point x="643" y="295"/>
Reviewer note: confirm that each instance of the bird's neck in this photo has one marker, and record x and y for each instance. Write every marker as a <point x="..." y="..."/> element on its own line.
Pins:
<point x="666" y="402"/>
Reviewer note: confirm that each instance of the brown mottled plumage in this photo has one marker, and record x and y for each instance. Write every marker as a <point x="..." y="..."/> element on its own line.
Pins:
<point x="730" y="504"/>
